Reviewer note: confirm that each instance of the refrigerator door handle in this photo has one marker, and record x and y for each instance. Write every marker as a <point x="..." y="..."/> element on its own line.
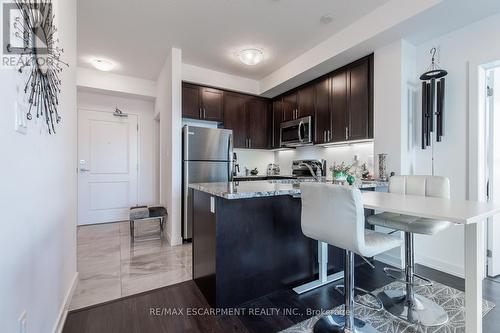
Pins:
<point x="230" y="156"/>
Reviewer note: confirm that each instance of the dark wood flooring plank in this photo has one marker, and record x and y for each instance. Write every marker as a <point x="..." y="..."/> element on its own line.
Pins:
<point x="132" y="314"/>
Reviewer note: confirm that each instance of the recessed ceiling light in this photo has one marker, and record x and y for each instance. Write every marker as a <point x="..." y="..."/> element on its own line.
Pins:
<point x="103" y="64"/>
<point x="325" y="19"/>
<point x="251" y="57"/>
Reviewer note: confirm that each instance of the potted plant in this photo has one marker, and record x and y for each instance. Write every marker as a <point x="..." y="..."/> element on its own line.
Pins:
<point x="341" y="171"/>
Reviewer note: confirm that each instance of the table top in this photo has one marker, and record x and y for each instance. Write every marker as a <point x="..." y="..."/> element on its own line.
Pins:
<point x="456" y="211"/>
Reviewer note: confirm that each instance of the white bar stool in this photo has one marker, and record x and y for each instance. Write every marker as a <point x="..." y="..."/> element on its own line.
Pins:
<point x="334" y="214"/>
<point x="408" y="305"/>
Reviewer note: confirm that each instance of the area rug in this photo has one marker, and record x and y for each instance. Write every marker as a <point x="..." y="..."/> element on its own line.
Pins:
<point x="452" y="300"/>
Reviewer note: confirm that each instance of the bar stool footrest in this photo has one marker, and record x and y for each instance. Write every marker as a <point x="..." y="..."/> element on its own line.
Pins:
<point x="379" y="307"/>
<point x="389" y="272"/>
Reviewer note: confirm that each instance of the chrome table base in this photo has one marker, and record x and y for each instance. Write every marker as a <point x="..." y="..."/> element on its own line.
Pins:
<point x="334" y="324"/>
<point x="423" y="311"/>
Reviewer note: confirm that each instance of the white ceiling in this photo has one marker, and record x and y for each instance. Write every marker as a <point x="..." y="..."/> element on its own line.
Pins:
<point x="137" y="34"/>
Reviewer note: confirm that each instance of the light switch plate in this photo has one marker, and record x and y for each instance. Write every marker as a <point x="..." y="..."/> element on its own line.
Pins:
<point x="21" y="122"/>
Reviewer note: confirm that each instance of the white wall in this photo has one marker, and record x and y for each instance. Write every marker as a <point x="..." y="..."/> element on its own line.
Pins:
<point x="96" y="80"/>
<point x="336" y="154"/>
<point x="254" y="158"/>
<point x="144" y="110"/>
<point x="204" y="76"/>
<point x="394" y="87"/>
<point x="476" y="41"/>
<point x="38" y="199"/>
<point x="168" y="106"/>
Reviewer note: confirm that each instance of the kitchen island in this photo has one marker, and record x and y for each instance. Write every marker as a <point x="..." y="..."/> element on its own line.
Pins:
<point x="248" y="242"/>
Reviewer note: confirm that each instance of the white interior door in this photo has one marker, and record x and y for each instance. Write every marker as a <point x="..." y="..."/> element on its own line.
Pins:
<point x="107" y="166"/>
<point x="493" y="153"/>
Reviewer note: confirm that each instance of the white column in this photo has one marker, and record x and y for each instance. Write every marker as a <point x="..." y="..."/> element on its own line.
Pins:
<point x="474" y="262"/>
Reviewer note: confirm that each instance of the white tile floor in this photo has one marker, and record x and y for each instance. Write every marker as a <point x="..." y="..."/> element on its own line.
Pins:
<point x="110" y="266"/>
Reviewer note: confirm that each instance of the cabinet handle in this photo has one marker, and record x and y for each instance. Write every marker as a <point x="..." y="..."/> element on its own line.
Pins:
<point x="329" y="136"/>
<point x="324" y="136"/>
<point x="204" y="113"/>
<point x="249" y="143"/>
<point x="201" y="112"/>
<point x="346" y="133"/>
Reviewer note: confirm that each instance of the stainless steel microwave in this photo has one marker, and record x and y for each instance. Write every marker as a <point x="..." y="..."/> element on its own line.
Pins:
<point x="296" y="132"/>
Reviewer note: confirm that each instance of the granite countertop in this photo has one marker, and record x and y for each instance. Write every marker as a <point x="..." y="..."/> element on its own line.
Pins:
<point x="262" y="188"/>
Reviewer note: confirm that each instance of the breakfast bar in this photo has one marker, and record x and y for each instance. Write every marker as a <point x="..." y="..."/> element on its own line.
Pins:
<point x="247" y="239"/>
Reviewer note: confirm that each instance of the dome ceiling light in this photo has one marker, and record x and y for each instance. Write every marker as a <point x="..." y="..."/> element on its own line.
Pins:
<point x="251" y="57"/>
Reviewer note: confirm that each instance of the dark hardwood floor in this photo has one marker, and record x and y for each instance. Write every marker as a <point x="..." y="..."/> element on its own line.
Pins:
<point x="172" y="309"/>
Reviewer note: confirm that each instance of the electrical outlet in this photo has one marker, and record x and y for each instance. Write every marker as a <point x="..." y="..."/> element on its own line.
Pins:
<point x="23" y="322"/>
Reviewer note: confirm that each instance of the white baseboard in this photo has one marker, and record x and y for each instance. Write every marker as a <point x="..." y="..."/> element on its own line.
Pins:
<point x="390" y="259"/>
<point x="442" y="266"/>
<point x="63" y="312"/>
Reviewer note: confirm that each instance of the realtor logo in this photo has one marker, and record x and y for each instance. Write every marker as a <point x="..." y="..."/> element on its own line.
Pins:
<point x="27" y="31"/>
<point x="23" y="30"/>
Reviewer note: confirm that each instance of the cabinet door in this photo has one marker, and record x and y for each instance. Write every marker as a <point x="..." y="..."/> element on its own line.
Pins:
<point x="235" y="118"/>
<point x="358" y="100"/>
<point x="306" y="101"/>
<point x="212" y="104"/>
<point x="277" y="120"/>
<point x="258" y="123"/>
<point x="191" y="101"/>
<point x="322" y="119"/>
<point x="289" y="107"/>
<point x="339" y="106"/>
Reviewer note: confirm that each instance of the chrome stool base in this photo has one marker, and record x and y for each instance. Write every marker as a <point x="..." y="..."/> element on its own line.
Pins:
<point x="336" y="324"/>
<point x="424" y="311"/>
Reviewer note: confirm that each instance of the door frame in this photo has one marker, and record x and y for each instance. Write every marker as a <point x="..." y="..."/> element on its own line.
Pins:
<point x="93" y="109"/>
<point x="476" y="174"/>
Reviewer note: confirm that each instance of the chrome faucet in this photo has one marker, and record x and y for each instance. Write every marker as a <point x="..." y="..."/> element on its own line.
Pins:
<point x="314" y="174"/>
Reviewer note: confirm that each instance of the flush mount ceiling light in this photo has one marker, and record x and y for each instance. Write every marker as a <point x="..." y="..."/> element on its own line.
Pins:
<point x="103" y="64"/>
<point x="251" y="57"/>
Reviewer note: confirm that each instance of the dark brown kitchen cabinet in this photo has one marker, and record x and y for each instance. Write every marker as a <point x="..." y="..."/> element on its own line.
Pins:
<point x="191" y="103"/>
<point x="290" y="107"/>
<point x="212" y="104"/>
<point x="322" y="121"/>
<point x="359" y="94"/>
<point x="339" y="107"/>
<point x="258" y="120"/>
<point x="305" y="101"/>
<point x="202" y="102"/>
<point x="277" y="119"/>
<point x="235" y="117"/>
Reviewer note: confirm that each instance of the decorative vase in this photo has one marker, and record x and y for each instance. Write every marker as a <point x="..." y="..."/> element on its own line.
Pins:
<point x="382" y="166"/>
<point x="340" y="176"/>
<point x="350" y="180"/>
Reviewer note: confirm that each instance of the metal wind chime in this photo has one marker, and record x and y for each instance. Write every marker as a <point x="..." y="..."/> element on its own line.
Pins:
<point x="433" y="89"/>
<point x="42" y="60"/>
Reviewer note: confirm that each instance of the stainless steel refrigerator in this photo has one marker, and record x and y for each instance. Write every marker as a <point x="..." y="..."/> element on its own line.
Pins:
<point x="207" y="157"/>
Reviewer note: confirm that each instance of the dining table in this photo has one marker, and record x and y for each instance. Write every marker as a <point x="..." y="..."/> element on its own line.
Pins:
<point x="471" y="214"/>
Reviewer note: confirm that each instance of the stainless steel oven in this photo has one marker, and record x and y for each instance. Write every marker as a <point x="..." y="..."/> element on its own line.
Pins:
<point x="296" y="132"/>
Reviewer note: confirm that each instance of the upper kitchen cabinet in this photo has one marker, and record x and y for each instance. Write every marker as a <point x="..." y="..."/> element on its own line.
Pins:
<point x="235" y="118"/>
<point x="202" y="102"/>
<point x="212" y="104"/>
<point x="259" y="123"/>
<point x="290" y="107"/>
<point x="322" y="121"/>
<point x="277" y="119"/>
<point x="305" y="101"/>
<point x="339" y="122"/>
<point x="191" y="103"/>
<point x="299" y="103"/>
<point x="359" y="100"/>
